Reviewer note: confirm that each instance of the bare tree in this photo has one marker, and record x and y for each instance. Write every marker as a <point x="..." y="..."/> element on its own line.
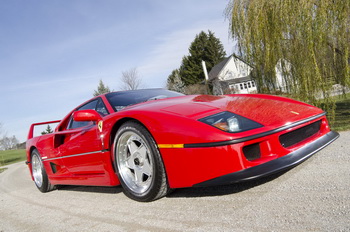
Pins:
<point x="130" y="79"/>
<point x="2" y="130"/>
<point x="8" y="143"/>
<point x="2" y="137"/>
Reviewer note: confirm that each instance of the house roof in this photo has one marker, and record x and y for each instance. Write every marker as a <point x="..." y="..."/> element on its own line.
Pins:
<point x="215" y="71"/>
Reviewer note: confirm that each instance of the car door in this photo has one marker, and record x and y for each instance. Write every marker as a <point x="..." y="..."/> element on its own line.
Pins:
<point x="82" y="147"/>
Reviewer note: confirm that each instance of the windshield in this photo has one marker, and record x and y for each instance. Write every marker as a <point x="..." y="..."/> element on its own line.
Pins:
<point x="120" y="100"/>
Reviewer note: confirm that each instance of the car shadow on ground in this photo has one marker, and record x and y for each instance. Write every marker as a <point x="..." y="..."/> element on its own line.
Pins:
<point x="184" y="192"/>
<point x="223" y="189"/>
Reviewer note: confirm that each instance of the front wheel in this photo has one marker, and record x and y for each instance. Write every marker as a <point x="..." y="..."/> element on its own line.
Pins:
<point x="138" y="163"/>
<point x="40" y="177"/>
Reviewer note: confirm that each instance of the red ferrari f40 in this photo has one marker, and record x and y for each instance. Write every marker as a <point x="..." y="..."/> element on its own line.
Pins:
<point x="153" y="140"/>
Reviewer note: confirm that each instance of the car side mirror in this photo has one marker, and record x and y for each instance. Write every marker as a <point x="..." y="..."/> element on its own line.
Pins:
<point x="86" y="115"/>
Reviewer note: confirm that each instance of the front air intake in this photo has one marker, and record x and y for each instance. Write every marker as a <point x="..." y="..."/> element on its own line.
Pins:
<point x="252" y="152"/>
<point x="296" y="136"/>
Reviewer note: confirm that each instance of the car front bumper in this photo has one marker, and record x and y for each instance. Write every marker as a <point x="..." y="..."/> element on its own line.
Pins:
<point x="288" y="161"/>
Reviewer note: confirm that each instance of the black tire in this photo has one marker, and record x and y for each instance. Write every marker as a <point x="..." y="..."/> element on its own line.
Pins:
<point x="138" y="163"/>
<point x="39" y="174"/>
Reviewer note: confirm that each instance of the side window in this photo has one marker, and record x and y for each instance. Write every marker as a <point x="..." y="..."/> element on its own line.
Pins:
<point x="89" y="106"/>
<point x="101" y="108"/>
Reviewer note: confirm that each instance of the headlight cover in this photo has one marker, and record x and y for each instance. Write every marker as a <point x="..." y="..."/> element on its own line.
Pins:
<point x="230" y="122"/>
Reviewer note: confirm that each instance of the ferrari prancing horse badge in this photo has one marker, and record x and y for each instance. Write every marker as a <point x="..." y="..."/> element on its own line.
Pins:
<point x="100" y="124"/>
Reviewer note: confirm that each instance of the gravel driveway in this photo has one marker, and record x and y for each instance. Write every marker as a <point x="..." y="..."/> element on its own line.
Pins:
<point x="314" y="196"/>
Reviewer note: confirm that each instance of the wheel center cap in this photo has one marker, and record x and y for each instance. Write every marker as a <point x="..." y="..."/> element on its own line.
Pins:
<point x="138" y="162"/>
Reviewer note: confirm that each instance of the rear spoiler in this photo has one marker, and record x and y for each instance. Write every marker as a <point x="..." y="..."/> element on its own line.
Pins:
<point x="31" y="129"/>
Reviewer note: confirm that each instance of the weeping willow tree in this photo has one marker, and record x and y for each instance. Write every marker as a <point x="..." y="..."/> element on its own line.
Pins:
<point x="307" y="39"/>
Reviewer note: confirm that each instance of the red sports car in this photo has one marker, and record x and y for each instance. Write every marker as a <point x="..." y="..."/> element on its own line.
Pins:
<point x="150" y="141"/>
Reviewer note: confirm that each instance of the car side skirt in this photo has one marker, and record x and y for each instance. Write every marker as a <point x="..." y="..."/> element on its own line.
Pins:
<point x="274" y="166"/>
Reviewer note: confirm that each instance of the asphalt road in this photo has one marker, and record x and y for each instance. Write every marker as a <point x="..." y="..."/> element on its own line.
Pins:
<point x="314" y="196"/>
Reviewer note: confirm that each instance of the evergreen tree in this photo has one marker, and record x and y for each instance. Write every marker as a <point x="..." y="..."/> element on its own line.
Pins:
<point x="47" y="131"/>
<point x="205" y="47"/>
<point x="101" y="89"/>
<point x="175" y="83"/>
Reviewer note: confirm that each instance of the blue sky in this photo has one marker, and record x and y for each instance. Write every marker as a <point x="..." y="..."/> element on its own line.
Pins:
<point x="53" y="53"/>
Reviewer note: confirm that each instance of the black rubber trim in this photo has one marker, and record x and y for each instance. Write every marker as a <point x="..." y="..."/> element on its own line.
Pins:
<point x="240" y="140"/>
<point x="277" y="165"/>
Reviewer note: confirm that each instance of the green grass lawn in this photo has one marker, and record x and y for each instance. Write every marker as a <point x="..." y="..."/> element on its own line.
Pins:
<point x="12" y="156"/>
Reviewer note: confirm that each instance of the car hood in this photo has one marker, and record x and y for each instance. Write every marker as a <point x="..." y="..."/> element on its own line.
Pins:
<point x="266" y="109"/>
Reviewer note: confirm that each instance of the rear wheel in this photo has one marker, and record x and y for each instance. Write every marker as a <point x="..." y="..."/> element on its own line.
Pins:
<point x="138" y="163"/>
<point x="39" y="174"/>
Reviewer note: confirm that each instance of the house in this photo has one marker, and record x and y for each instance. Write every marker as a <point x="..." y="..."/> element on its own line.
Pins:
<point x="232" y="75"/>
